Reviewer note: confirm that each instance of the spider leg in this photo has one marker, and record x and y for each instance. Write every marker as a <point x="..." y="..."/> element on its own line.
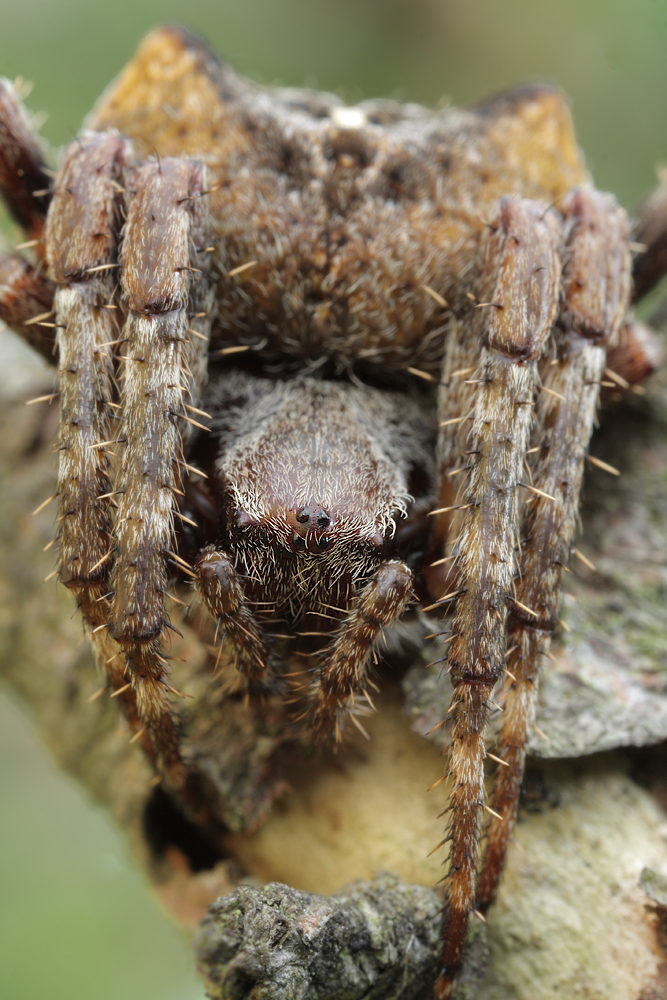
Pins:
<point x="24" y="184"/>
<point x="167" y="295"/>
<point x="222" y="592"/>
<point x="25" y="291"/>
<point x="81" y="239"/>
<point x="597" y="282"/>
<point x="522" y="258"/>
<point x="650" y="233"/>
<point x="637" y="352"/>
<point x="379" y="604"/>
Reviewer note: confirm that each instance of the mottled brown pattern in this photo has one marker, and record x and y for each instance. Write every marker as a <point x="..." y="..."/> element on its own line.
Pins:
<point x="348" y="222"/>
<point x="325" y="262"/>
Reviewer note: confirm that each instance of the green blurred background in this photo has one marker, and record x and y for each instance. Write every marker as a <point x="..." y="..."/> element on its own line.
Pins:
<point x="98" y="934"/>
<point x="608" y="56"/>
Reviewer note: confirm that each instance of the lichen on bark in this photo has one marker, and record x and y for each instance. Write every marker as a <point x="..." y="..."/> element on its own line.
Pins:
<point x="372" y="941"/>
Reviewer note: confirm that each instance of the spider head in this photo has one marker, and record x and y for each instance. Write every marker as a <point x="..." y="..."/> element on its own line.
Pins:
<point x="300" y="554"/>
<point x="310" y="499"/>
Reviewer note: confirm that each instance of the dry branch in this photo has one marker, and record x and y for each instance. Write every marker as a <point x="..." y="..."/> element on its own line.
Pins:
<point x="373" y="941"/>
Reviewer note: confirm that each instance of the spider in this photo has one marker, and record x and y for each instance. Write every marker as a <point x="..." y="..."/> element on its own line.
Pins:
<point x="363" y="347"/>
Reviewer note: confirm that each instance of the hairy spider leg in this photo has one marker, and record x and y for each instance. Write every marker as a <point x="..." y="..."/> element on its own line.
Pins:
<point x="26" y="303"/>
<point x="25" y="291"/>
<point x="637" y="352"/>
<point x="27" y="306"/>
<point x="169" y="304"/>
<point x="379" y="604"/>
<point x="597" y="283"/>
<point x="81" y="240"/>
<point x="25" y="187"/>
<point x="649" y="230"/>
<point x="521" y="252"/>
<point x="222" y="592"/>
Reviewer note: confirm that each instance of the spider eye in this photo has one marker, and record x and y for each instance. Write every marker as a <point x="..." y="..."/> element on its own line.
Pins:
<point x="323" y="543"/>
<point x="303" y="515"/>
<point x="298" y="541"/>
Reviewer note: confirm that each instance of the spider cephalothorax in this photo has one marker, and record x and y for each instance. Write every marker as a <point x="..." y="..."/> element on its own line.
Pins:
<point x="313" y="477"/>
<point x="349" y="255"/>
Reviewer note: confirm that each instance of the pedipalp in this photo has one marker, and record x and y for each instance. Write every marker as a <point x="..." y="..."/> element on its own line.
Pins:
<point x="347" y="659"/>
